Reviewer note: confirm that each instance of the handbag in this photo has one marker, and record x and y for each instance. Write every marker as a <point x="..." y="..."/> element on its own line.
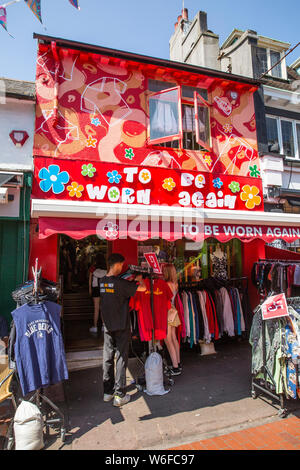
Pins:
<point x="172" y="312"/>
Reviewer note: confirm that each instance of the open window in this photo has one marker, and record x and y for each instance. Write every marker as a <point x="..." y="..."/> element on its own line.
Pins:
<point x="179" y="116"/>
<point x="202" y="121"/>
<point x="165" y="116"/>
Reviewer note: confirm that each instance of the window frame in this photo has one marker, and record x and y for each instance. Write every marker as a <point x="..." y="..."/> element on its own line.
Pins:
<point x="178" y="136"/>
<point x="294" y="122"/>
<point x="196" y="116"/>
<point x="269" y="65"/>
<point x="191" y="101"/>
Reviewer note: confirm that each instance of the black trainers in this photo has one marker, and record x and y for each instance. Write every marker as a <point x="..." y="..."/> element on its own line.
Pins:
<point x="175" y="371"/>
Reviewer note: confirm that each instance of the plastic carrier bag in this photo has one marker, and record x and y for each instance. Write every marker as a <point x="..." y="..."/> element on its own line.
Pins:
<point x="28" y="427"/>
<point x="154" y="375"/>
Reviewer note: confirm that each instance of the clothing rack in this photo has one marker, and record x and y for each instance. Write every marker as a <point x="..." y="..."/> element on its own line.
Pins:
<point x="187" y="284"/>
<point x="292" y="301"/>
<point x="280" y="261"/>
<point x="149" y="272"/>
<point x="38" y="397"/>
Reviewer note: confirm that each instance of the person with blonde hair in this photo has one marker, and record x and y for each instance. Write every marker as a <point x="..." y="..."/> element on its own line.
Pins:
<point x="170" y="276"/>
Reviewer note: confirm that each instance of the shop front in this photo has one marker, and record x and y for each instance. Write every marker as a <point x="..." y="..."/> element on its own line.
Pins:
<point x="134" y="153"/>
<point x="221" y="244"/>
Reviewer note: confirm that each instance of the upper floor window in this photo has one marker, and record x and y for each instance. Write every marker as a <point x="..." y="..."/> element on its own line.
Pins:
<point x="179" y="116"/>
<point x="283" y="136"/>
<point x="266" y="59"/>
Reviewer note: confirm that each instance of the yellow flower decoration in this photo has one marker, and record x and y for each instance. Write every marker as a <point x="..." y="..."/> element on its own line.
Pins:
<point x="169" y="184"/>
<point x="145" y="176"/>
<point x="227" y="128"/>
<point x="90" y="142"/>
<point x="250" y="195"/>
<point x="75" y="189"/>
<point x="208" y="160"/>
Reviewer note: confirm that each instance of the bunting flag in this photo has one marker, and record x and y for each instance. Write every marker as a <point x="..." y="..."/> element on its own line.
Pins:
<point x="75" y="4"/>
<point x="35" y="7"/>
<point x="3" y="21"/>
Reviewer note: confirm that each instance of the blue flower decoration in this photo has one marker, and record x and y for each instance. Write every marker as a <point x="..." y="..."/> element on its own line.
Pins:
<point x="217" y="183"/>
<point x="113" y="177"/>
<point x="53" y="178"/>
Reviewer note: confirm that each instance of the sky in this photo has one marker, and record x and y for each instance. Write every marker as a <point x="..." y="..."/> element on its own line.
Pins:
<point x="136" y="26"/>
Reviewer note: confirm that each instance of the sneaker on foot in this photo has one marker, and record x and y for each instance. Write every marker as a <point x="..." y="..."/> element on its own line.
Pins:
<point x="119" y="401"/>
<point x="175" y="371"/>
<point x="107" y="397"/>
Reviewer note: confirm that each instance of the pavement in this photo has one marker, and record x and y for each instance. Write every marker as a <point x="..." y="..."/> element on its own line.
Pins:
<point x="209" y="406"/>
<point x="210" y="399"/>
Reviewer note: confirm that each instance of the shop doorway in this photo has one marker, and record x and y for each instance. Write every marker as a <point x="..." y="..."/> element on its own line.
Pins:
<point x="76" y="257"/>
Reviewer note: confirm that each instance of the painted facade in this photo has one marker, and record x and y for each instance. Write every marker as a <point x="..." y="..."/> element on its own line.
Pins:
<point x="94" y="108"/>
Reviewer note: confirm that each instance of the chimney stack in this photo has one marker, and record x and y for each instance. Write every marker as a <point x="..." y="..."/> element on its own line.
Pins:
<point x="203" y="21"/>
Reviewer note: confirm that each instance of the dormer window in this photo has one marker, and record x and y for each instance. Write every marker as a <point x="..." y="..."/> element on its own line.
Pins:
<point x="265" y="60"/>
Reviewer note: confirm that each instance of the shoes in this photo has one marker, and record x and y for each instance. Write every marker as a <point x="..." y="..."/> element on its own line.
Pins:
<point x="119" y="401"/>
<point x="93" y="330"/>
<point x="175" y="371"/>
<point x="107" y="397"/>
<point x="180" y="366"/>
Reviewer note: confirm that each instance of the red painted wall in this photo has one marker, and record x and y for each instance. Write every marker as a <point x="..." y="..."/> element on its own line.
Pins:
<point x="46" y="250"/>
<point x="128" y="248"/>
<point x="251" y="252"/>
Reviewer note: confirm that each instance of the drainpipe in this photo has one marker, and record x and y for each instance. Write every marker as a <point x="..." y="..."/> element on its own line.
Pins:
<point x="56" y="58"/>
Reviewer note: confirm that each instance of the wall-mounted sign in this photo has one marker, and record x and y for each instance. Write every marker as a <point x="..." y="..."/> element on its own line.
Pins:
<point x="128" y="184"/>
<point x="19" y="137"/>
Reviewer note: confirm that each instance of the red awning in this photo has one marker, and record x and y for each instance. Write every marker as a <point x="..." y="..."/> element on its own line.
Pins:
<point x="113" y="229"/>
<point x="278" y="253"/>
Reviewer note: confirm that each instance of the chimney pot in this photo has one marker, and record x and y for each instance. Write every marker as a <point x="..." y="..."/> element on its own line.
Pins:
<point x="179" y="19"/>
<point x="185" y="14"/>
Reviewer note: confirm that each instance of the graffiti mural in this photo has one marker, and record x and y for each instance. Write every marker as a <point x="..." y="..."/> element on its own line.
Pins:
<point x="90" y="109"/>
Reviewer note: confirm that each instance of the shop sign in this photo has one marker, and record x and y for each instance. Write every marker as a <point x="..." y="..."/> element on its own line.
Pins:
<point x="127" y="184"/>
<point x="274" y="307"/>
<point x="113" y="228"/>
<point x="152" y="260"/>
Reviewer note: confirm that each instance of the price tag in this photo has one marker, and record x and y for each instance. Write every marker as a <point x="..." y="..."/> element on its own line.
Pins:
<point x="274" y="307"/>
<point x="152" y="260"/>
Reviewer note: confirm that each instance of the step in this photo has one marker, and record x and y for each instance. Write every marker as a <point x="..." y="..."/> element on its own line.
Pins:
<point x="78" y="311"/>
<point x="84" y="359"/>
<point x="78" y="316"/>
<point x="81" y="301"/>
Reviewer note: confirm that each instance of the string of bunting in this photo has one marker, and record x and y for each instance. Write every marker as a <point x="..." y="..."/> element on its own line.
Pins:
<point x="35" y="7"/>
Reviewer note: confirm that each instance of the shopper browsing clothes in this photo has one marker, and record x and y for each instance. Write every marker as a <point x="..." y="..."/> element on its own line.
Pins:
<point x="170" y="276"/>
<point x="96" y="271"/>
<point x="114" y="294"/>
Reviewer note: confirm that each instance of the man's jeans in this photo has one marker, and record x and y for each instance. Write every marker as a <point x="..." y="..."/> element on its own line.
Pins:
<point x="115" y="342"/>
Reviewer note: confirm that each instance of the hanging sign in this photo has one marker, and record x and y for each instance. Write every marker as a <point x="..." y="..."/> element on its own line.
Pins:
<point x="152" y="260"/>
<point x="274" y="307"/>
